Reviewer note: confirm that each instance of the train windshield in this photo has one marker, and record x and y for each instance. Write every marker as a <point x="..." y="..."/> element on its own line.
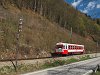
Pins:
<point x="60" y="46"/>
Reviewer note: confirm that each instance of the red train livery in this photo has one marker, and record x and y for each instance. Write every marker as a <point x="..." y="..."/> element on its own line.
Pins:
<point x="66" y="48"/>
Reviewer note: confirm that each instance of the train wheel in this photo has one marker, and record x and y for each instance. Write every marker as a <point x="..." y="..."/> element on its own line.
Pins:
<point x="81" y="53"/>
<point x="64" y="55"/>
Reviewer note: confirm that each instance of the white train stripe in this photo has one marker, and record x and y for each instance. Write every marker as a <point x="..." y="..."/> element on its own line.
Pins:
<point x="75" y="50"/>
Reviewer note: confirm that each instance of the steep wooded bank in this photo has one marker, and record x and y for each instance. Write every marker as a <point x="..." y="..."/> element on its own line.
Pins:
<point x="61" y="13"/>
<point x="45" y="24"/>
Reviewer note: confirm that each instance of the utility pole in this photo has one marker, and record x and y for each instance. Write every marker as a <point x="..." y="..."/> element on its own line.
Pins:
<point x="97" y="48"/>
<point x="17" y="44"/>
<point x="71" y="35"/>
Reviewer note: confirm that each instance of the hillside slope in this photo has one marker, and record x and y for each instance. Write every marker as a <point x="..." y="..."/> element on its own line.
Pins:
<point x="38" y="37"/>
<point x="59" y="12"/>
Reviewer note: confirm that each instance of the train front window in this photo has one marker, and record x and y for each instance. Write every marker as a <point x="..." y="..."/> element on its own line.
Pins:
<point x="60" y="46"/>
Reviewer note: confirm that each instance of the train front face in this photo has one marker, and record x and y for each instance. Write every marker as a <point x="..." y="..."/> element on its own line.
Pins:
<point x="61" y="49"/>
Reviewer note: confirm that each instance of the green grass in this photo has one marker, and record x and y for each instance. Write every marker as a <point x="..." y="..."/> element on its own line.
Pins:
<point x="72" y="60"/>
<point x="53" y="63"/>
<point x="64" y="62"/>
<point x="6" y="70"/>
<point x="97" y="73"/>
<point x="84" y="58"/>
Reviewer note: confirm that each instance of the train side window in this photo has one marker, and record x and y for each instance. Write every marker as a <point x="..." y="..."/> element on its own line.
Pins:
<point x="75" y="47"/>
<point x="66" y="47"/>
<point x="71" y="47"/>
<point x="63" y="47"/>
<point x="78" y="47"/>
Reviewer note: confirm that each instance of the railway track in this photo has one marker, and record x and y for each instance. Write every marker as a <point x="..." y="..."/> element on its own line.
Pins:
<point x="4" y="60"/>
<point x="52" y="56"/>
<point x="57" y="56"/>
<point x="8" y="62"/>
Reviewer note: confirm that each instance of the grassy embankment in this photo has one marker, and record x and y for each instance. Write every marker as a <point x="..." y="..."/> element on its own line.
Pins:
<point x="9" y="70"/>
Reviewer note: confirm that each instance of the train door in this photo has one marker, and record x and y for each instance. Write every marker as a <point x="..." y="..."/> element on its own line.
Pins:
<point x="65" y="50"/>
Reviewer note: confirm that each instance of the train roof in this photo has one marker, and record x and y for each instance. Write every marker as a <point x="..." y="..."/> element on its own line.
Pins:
<point x="67" y="44"/>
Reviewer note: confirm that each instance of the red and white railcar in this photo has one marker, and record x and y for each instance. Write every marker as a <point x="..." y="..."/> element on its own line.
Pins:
<point x="66" y="48"/>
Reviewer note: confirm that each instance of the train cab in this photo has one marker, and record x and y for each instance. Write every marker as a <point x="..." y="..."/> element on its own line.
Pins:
<point x="66" y="48"/>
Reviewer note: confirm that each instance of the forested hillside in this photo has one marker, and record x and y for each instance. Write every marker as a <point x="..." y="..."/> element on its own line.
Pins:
<point x="59" y="12"/>
<point x="45" y="22"/>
